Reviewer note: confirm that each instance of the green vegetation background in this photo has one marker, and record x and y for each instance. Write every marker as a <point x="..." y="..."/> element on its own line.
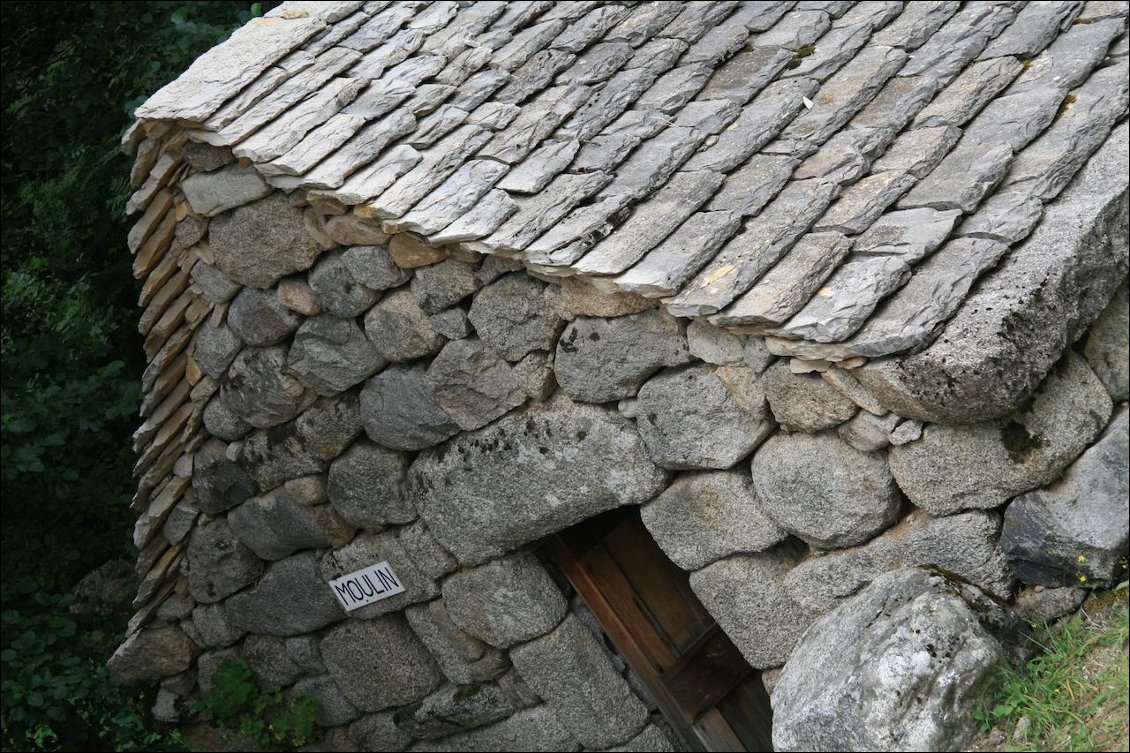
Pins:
<point x="71" y="359"/>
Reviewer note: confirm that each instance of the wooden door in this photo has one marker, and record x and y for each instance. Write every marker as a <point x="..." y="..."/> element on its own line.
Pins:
<point x="699" y="679"/>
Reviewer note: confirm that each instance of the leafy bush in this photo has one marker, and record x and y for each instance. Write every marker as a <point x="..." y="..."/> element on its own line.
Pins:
<point x="245" y="712"/>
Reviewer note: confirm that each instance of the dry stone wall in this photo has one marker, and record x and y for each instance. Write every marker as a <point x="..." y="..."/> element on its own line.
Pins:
<point x="323" y="397"/>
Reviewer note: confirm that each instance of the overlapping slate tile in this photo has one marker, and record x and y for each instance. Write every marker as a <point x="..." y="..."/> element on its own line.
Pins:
<point x="669" y="266"/>
<point x="910" y="234"/>
<point x="969" y="92"/>
<point x="744" y="75"/>
<point x="1036" y="25"/>
<point x="916" y="24"/>
<point x="958" y="42"/>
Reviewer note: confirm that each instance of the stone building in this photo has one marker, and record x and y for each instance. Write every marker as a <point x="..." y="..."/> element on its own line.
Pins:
<point x="545" y="375"/>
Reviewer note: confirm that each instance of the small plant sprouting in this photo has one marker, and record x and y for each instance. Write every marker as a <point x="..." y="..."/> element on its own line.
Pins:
<point x="247" y="713"/>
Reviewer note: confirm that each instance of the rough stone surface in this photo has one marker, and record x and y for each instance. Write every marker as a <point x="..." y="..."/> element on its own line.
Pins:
<point x="399" y="328"/>
<point x="290" y="599"/>
<point x="333" y="708"/>
<point x="216" y="348"/>
<point x="858" y="496"/>
<point x="337" y="289"/>
<point x="599" y="360"/>
<point x="574" y="674"/>
<point x="453" y="709"/>
<point x="331" y="355"/>
<point x="257" y="388"/>
<point x="211" y="193"/>
<point x="462" y="658"/>
<point x="717" y="346"/>
<point x="367" y="549"/>
<point x="909" y="234"/>
<point x="528" y="475"/>
<point x="275" y="526"/>
<point x="151" y="654"/>
<point x="965" y="545"/>
<point x="1076" y="530"/>
<point x="296" y="295"/>
<point x="365" y="486"/>
<point x="513" y="316"/>
<point x="535" y="729"/>
<point x="745" y="594"/>
<point x="507" y="601"/>
<point x="442" y="285"/>
<point x="214" y="626"/>
<point x="215" y="286"/>
<point x="261" y="242"/>
<point x="1108" y="346"/>
<point x="373" y="267"/>
<point x="651" y="739"/>
<point x="218" y="564"/>
<point x="902" y="666"/>
<point x="579" y="298"/>
<point x="1048" y="604"/>
<point x="267" y="658"/>
<point x="472" y="384"/>
<point x="701" y="417"/>
<point x="452" y="323"/>
<point x="868" y="432"/>
<point x="217" y="482"/>
<point x="379" y="663"/>
<point x="706" y="516"/>
<point x="400" y="411"/>
<point x="804" y="402"/>
<point x="955" y="467"/>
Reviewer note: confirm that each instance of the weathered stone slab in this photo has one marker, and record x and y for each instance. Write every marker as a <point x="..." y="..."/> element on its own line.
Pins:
<point x="289" y="599"/>
<point x="210" y="194"/>
<point x="961" y="100"/>
<point x="717" y="346"/>
<point x="153" y="653"/>
<point x="859" y="495"/>
<point x="1008" y="216"/>
<point x="902" y="666"/>
<point x="455" y="197"/>
<point x="804" y="402"/>
<point x="785" y="288"/>
<point x="400" y="412"/>
<point x="915" y="24"/>
<point x="276" y="526"/>
<point x="1077" y="249"/>
<point x="258" y="243"/>
<point x="955" y="467"/>
<point x="668" y="266"/>
<point x="591" y="462"/>
<point x="573" y="673"/>
<point x="536" y="171"/>
<point x="282" y="134"/>
<point x="830" y="52"/>
<point x="1070" y="58"/>
<point x="216" y="348"/>
<point x="908" y="234"/>
<point x="1075" y="531"/>
<point x="1108" y="347"/>
<point x="257" y="388"/>
<point x="258" y="317"/>
<point x="331" y="355"/>
<point x="744" y="75"/>
<point x="701" y="417"/>
<point x="749" y="188"/>
<point x="745" y="594"/>
<point x="607" y="105"/>
<point x="863" y="202"/>
<point x="513" y="315"/>
<point x="483" y="219"/>
<point x="946" y="53"/>
<point x="218" y="564"/>
<point x="918" y="151"/>
<point x="537" y="214"/>
<point x="379" y="663"/>
<point x="798" y="28"/>
<point x="599" y="360"/>
<point x="962" y="179"/>
<point x="706" y="516"/>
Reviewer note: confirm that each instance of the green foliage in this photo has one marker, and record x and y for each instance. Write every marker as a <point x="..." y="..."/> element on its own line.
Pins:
<point x="72" y="73"/>
<point x="1074" y="695"/>
<point x="245" y="712"/>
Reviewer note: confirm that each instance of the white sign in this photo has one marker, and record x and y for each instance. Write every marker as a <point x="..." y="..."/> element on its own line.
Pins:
<point x="363" y="587"/>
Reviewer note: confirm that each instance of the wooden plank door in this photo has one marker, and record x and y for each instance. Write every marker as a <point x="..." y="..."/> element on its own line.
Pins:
<point x="699" y="679"/>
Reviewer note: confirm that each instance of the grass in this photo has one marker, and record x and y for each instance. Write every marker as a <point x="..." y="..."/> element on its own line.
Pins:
<point x="1074" y="695"/>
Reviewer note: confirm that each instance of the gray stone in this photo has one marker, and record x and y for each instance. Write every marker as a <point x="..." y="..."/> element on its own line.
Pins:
<point x="915" y="24"/>
<point x="863" y="202"/>
<point x="259" y="243"/>
<point x="218" y="483"/>
<point x="331" y="355"/>
<point x="573" y="673"/>
<point x="290" y="598"/>
<point x="258" y="317"/>
<point x="442" y="285"/>
<point x="370" y="548"/>
<point x="398" y="328"/>
<point x="332" y="708"/>
<point x="964" y="545"/>
<point x="857" y="492"/>
<point x="336" y="288"/>
<point x="706" y="516"/>
<point x="216" y="348"/>
<point x="211" y="193"/>
<point x="513" y="316"/>
<point x="745" y="594"/>
<point x="215" y="286"/>
<point x="607" y="359"/>
<point x="431" y="558"/>
<point x="366" y="487"/>
<point x="956" y="44"/>
<point x="1108" y="346"/>
<point x="895" y="104"/>
<point x="804" y="402"/>
<point x="453" y="709"/>
<point x="204" y="158"/>
<point x="1075" y="531"/>
<point x="867" y="432"/>
<point x="472" y="384"/>
<point x="749" y="188"/>
<point x="907" y="431"/>
<point x="266" y="655"/>
<point x="955" y="467"/>
<point x="744" y="75"/>
<point x="961" y="100"/>
<point x="535" y="375"/>
<point x="717" y="346"/>
<point x="351" y="230"/>
<point x="373" y="267"/>
<point x="274" y="526"/>
<point x="528" y="475"/>
<point x="152" y="653"/>
<point x="799" y="28"/>
<point x="214" y="626"/>
<point x="902" y="666"/>
<point x="452" y="199"/>
<point x="400" y="411"/>
<point x="379" y="663"/>
<point x="1039" y="604"/>
<point x="377" y="732"/>
<point x="908" y="234"/>
<point x="671" y="264"/>
<point x="462" y="658"/>
<point x="506" y="601"/>
<point x="218" y="564"/>
<point x="651" y="739"/>
<point x="575" y="297"/>
<point x="536" y="171"/>
<point x="700" y="417"/>
<point x="962" y="179"/>
<point x="303" y="652"/>
<point x="833" y="49"/>
<point x="536" y="729"/>
<point x="452" y="323"/>
<point x="788" y="286"/>
<point x="257" y="388"/>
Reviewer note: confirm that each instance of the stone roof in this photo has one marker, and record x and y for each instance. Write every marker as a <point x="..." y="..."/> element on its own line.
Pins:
<point x="835" y="176"/>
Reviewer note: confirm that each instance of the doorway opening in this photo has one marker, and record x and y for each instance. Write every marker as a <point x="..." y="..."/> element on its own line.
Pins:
<point x="708" y="692"/>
